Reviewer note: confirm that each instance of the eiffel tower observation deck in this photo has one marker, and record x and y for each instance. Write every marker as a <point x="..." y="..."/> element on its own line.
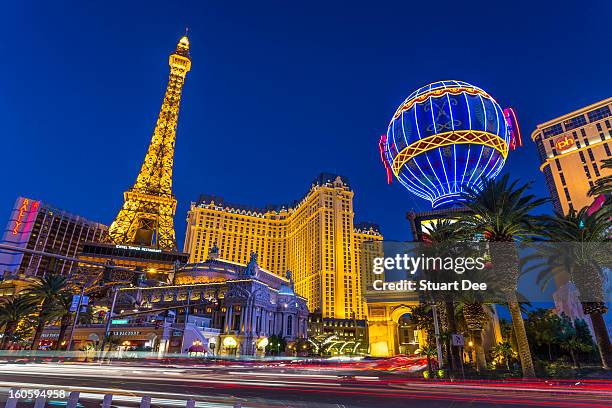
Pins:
<point x="142" y="234"/>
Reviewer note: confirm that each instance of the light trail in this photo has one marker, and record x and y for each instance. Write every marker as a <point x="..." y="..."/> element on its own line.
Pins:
<point x="271" y="385"/>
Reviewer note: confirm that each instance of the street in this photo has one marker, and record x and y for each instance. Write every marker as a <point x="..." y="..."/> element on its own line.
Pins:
<point x="238" y="384"/>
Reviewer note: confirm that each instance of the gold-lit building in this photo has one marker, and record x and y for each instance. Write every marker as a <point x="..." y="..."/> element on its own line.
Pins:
<point x="315" y="238"/>
<point x="571" y="149"/>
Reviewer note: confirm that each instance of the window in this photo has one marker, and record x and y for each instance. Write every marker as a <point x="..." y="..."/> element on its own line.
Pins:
<point x="552" y="130"/>
<point x="289" y="325"/>
<point x="596" y="170"/>
<point x="574" y="122"/>
<point x="599" y="113"/>
<point x="591" y="155"/>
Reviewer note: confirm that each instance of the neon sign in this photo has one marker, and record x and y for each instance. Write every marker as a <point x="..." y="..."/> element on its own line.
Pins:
<point x="381" y="146"/>
<point x="564" y="143"/>
<point x="22" y="210"/>
<point x="516" y="139"/>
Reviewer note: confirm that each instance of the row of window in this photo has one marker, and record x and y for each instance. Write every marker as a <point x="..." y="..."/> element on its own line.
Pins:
<point x="577" y="121"/>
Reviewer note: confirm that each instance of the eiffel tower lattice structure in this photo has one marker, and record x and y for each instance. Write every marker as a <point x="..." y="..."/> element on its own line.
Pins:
<point x="147" y="215"/>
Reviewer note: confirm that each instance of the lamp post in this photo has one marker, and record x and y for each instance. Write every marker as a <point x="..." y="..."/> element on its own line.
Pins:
<point x="434" y="310"/>
<point x="109" y="318"/>
<point x="76" y="318"/>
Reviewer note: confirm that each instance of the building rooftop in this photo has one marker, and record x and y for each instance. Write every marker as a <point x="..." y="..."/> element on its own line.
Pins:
<point x="568" y="116"/>
<point x="321" y="180"/>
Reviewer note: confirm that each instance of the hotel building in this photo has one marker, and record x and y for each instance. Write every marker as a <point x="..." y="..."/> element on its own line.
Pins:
<point x="571" y="149"/>
<point x="37" y="226"/>
<point x="315" y="238"/>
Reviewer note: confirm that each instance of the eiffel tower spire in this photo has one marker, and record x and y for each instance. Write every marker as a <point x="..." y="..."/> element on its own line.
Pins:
<point x="147" y="215"/>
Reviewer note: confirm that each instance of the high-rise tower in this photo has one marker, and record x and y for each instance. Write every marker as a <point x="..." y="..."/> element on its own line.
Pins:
<point x="147" y="215"/>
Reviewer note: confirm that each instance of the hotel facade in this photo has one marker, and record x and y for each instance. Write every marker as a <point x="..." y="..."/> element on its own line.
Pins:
<point x="38" y="226"/>
<point x="315" y="238"/>
<point x="571" y="149"/>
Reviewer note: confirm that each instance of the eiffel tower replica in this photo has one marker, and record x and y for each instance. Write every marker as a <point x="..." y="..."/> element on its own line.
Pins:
<point x="142" y="235"/>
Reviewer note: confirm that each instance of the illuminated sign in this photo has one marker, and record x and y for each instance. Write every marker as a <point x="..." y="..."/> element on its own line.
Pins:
<point x="137" y="248"/>
<point x="381" y="147"/>
<point x="230" y="342"/>
<point x="516" y="139"/>
<point x="564" y="143"/>
<point x="126" y="333"/>
<point x="119" y="321"/>
<point x="22" y="210"/>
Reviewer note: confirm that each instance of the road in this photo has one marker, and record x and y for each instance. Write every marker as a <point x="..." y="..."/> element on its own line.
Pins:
<point x="248" y="385"/>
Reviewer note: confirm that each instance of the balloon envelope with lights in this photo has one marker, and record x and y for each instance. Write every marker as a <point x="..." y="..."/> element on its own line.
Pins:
<point x="445" y="137"/>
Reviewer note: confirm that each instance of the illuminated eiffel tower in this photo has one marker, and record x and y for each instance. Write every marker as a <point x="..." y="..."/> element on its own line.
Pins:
<point x="147" y="215"/>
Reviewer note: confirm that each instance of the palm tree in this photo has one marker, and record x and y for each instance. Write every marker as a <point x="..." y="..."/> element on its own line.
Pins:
<point x="12" y="311"/>
<point x="500" y="211"/>
<point x="604" y="184"/>
<point x="504" y="352"/>
<point x="440" y="240"/>
<point x="578" y="246"/>
<point x="47" y="292"/>
<point x="64" y="314"/>
<point x="430" y="352"/>
<point x="475" y="318"/>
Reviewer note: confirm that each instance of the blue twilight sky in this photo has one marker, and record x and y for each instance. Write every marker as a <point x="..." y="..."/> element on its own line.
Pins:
<point x="279" y="91"/>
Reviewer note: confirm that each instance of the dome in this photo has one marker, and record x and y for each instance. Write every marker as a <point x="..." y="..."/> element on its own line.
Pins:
<point x="445" y="137"/>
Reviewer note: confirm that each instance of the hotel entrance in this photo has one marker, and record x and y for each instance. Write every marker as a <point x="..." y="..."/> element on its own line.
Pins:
<point x="407" y="335"/>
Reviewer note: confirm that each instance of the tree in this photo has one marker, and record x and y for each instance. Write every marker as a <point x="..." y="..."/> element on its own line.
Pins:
<point x="503" y="352"/>
<point x="475" y="317"/>
<point x="423" y="319"/>
<point x="112" y="342"/>
<point x="440" y="240"/>
<point x="430" y="352"/>
<point x="500" y="211"/>
<point x="13" y="310"/>
<point x="543" y="326"/>
<point x="578" y="245"/>
<point x="573" y="340"/>
<point x="62" y="310"/>
<point x="604" y="184"/>
<point x="276" y="344"/>
<point x="47" y="292"/>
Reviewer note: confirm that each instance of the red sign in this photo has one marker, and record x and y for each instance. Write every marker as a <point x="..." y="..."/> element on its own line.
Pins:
<point x="22" y="210"/>
<point x="564" y="143"/>
<point x="381" y="146"/>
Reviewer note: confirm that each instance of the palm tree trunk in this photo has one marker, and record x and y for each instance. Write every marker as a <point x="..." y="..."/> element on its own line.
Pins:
<point x="8" y="332"/>
<point x="481" y="359"/>
<point x="505" y="259"/>
<point x="549" y="353"/>
<point x="573" y="355"/>
<point x="62" y="333"/>
<point x="602" y="339"/>
<point x="453" y="359"/>
<point x="521" y="337"/>
<point x="37" y="334"/>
